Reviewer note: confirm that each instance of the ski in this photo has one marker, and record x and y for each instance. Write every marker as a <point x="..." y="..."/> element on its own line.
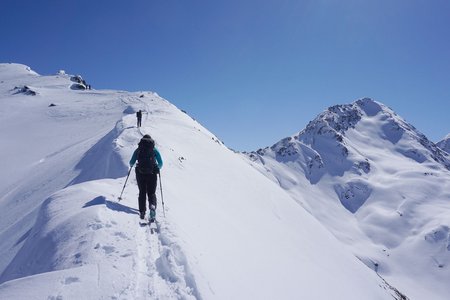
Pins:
<point x="153" y="226"/>
<point x="150" y="221"/>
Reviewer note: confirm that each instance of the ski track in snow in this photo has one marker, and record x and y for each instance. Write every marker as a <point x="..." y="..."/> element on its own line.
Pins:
<point x="158" y="272"/>
<point x="144" y="272"/>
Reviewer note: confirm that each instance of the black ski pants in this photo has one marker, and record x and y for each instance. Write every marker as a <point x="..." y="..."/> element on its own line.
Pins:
<point x="139" y="122"/>
<point x="147" y="188"/>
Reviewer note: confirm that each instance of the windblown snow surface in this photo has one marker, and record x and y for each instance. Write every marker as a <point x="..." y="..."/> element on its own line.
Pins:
<point x="230" y="231"/>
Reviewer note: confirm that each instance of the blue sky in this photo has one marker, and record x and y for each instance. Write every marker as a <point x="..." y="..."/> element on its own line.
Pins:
<point x="251" y="71"/>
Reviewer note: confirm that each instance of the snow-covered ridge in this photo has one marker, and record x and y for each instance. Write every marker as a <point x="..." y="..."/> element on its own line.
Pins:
<point x="229" y="232"/>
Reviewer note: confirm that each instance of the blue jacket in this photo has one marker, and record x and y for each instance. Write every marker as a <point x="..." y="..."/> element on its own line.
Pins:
<point x="157" y="156"/>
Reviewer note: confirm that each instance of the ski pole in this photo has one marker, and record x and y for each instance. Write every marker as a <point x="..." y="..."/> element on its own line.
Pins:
<point x="129" y="171"/>
<point x="162" y="198"/>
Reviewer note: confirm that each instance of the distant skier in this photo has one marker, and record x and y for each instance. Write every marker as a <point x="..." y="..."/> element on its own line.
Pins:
<point x="139" y="118"/>
<point x="148" y="166"/>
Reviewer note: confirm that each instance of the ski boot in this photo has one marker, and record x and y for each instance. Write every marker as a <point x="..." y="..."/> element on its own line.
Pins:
<point x="152" y="215"/>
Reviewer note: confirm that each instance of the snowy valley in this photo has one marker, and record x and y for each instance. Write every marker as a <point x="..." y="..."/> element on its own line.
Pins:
<point x="355" y="206"/>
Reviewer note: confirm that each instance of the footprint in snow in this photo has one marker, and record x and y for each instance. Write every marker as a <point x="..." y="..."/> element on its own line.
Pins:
<point x="70" y="280"/>
<point x="108" y="249"/>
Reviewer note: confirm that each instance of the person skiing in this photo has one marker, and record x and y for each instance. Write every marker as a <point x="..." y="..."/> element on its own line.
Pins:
<point x="147" y="169"/>
<point x="139" y="118"/>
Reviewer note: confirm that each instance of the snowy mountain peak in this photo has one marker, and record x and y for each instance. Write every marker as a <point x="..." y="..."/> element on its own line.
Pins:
<point x="342" y="117"/>
<point x="334" y="141"/>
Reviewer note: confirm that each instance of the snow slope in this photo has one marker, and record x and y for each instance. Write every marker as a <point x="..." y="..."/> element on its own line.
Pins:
<point x="228" y="232"/>
<point x="379" y="185"/>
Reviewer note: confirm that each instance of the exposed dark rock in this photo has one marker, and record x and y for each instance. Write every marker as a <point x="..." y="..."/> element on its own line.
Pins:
<point x="78" y="86"/>
<point x="25" y="90"/>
